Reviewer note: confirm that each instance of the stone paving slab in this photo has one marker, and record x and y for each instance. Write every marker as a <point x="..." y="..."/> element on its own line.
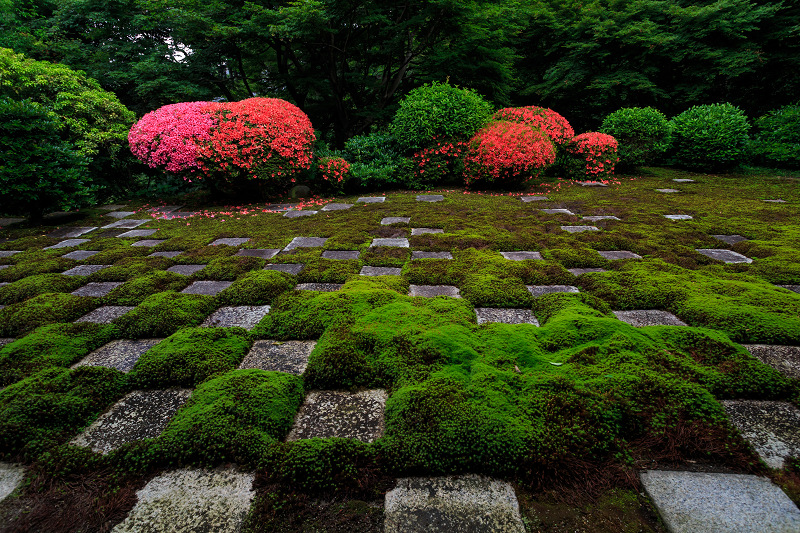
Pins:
<point x="541" y="290"/>
<point x="244" y="316"/>
<point x="136" y="233"/>
<point x="557" y="211"/>
<point x="321" y="287"/>
<point x="84" y="270"/>
<point x="336" y="207"/>
<point x="5" y="341"/>
<point x="341" y="255"/>
<point x="176" y="214"/>
<point x="793" y="288"/>
<point x="471" y="503"/>
<point x="169" y="255"/>
<point x="97" y="288"/>
<point x="345" y="415"/>
<point x="582" y="271"/>
<point x="522" y="256"/>
<point x="597" y="218"/>
<point x="726" y="256"/>
<point x="371" y="199"/>
<point x="430" y="291"/>
<point x="730" y="239"/>
<point x="165" y="208"/>
<point x="120" y="214"/>
<point x="505" y="316"/>
<point x="70" y="232"/>
<point x="305" y="242"/>
<point x="10" y="221"/>
<point x="9" y="253"/>
<point x="395" y="220"/>
<point x="298" y="214"/>
<point x="121" y="354"/>
<point x="148" y="243"/>
<point x="678" y="217"/>
<point x="430" y="255"/>
<point x="778" y="201"/>
<point x="682" y="180"/>
<point x="289" y="268"/>
<point x="112" y="207"/>
<point x="528" y="199"/>
<point x="11" y="476"/>
<point x="773" y="428"/>
<point x="649" y="317"/>
<point x="380" y="271"/>
<point x="579" y="229"/>
<point x="668" y="191"/>
<point x="395" y="242"/>
<point x="67" y="244"/>
<point x="786" y="359"/>
<point x="616" y="255"/>
<point x="126" y="224"/>
<point x="288" y="356"/>
<point x="191" y="501"/>
<point x="80" y="255"/>
<point x="430" y="198"/>
<point x="425" y="231"/>
<point x="186" y="270"/>
<point x="141" y="414"/>
<point x="699" y="502"/>
<point x="592" y="184"/>
<point x="106" y="314"/>
<point x="208" y="288"/>
<point x="230" y="241"/>
<point x="263" y="253"/>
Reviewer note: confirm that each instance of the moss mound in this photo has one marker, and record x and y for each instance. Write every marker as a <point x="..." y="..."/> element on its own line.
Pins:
<point x="36" y="285"/>
<point x="44" y="309"/>
<point x="162" y="314"/>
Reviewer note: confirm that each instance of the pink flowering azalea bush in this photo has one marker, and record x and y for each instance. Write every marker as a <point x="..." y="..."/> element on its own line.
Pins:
<point x="438" y="162"/>
<point x="541" y="118"/>
<point x="333" y="171"/>
<point x="591" y="155"/>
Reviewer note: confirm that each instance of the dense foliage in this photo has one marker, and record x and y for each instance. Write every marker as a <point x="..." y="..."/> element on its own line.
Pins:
<point x="548" y="121"/>
<point x="644" y="135"/>
<point x="710" y="137"/>
<point x="777" y="138"/>
<point x="376" y="162"/>
<point x="590" y="155"/>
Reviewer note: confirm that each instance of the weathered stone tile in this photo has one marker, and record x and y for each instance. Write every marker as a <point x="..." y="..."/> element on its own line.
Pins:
<point x="597" y="218"/>
<point x="793" y="288"/>
<point x="230" y="241"/>
<point x="726" y="256"/>
<point x="169" y="255"/>
<point x="191" y="501"/>
<point x="279" y="207"/>
<point x="321" y="287"/>
<point x="341" y="255"/>
<point x="730" y="239"/>
<point x="80" y="255"/>
<point x="699" y="502"/>
<point x="11" y="476"/>
<point x="288" y="356"/>
<point x="176" y="215"/>
<point x="336" y="207"/>
<point x="430" y="255"/>
<point x="5" y="341"/>
<point x="9" y="253"/>
<point x="380" y="271"/>
<point x="616" y="255"/>
<point x="505" y="316"/>
<point x="84" y="270"/>
<point x="305" y="242"/>
<point x="70" y="232"/>
<point x="773" y="428"/>
<point x="678" y="217"/>
<point x="579" y="229"/>
<point x="396" y="242"/>
<point x="298" y="214"/>
<point x="67" y="243"/>
<point x="263" y="253"/>
<point x="10" y="221"/>
<point x="683" y="180"/>
<point x="430" y="291"/>
<point x="289" y="268"/>
<point x="430" y="198"/>
<point x="527" y="199"/>
<point x="582" y="271"/>
<point x="341" y="414"/>
<point x="371" y="199"/>
<point x="425" y="231"/>
<point x="136" y="233"/>
<point x="245" y="316"/>
<point x="148" y="243"/>
<point x="450" y="504"/>
<point x="112" y="207"/>
<point x="97" y="288"/>
<point x="126" y="224"/>
<point x="649" y="317"/>
<point x="209" y="288"/>
<point x="164" y="208"/>
<point x="186" y="270"/>
<point x="522" y="256"/>
<point x="591" y="184"/>
<point x="395" y="220"/>
<point x="120" y="354"/>
<point x="668" y="191"/>
<point x="557" y="211"/>
<point x="106" y="314"/>
<point x="541" y="290"/>
<point x="120" y="214"/>
<point x="778" y="201"/>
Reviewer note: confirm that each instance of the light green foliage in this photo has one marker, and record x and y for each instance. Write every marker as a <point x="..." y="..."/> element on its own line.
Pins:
<point x="258" y="287"/>
<point x="136" y="290"/>
<point x="710" y="137"/>
<point x="38" y="284"/>
<point x="644" y="135"/>
<point x="777" y="138"/>
<point x="45" y="308"/>
<point x="165" y="313"/>
<point x="376" y="162"/>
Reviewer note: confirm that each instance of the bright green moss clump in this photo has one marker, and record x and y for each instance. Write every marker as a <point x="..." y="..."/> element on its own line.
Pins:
<point x="260" y="287"/>
<point x="44" y="309"/>
<point x="138" y="289"/>
<point x="162" y="314"/>
<point x="35" y="285"/>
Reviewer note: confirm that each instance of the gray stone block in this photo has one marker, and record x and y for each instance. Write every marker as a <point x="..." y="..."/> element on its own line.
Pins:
<point x="431" y="255"/>
<point x="616" y="255"/>
<point x="321" y="287"/>
<point x="230" y="241"/>
<point x="793" y="288"/>
<point x="208" y="288"/>
<point x="778" y="201"/>
<point x="598" y="218"/>
<point x="120" y="354"/>
<point x="84" y="270"/>
<point x="106" y="314"/>
<point x="245" y="316"/>
<point x="164" y="208"/>
<point x="9" y="253"/>
<point x="120" y="214"/>
<point x="668" y="191"/>
<point x="505" y="316"/>
<point x="305" y="242"/>
<point x="522" y="256"/>
<point x="68" y="244"/>
<point x="452" y="504"/>
<point x="397" y="243"/>
<point x="371" y="199"/>
<point x="430" y="198"/>
<point x="112" y="207"/>
<point x="541" y="290"/>
<point x="786" y="359"/>
<point x="726" y="256"/>
<point x="3" y="267"/>
<point x="80" y="255"/>
<point x="344" y="415"/>
<point x="289" y="268"/>
<point x="263" y="253"/>
<point x="11" y="476"/>
<point x="5" y="341"/>
<point x="582" y="271"/>
<point x="683" y="180"/>
<point x="425" y="231"/>
<point x="699" y="502"/>
<point x="730" y="239"/>
<point x="380" y="271"/>
<point x="136" y="233"/>
<point x="528" y="199"/>
<point x="579" y="229"/>
<point x="186" y="270"/>
<point x="126" y="224"/>
<point x="591" y="184"/>
<point x="298" y="214"/>
<point x="395" y="220"/>
<point x="678" y="217"/>
<point x="148" y="243"/>
<point x="288" y="356"/>
<point x="10" y="221"/>
<point x="169" y="255"/>
<point x="557" y="211"/>
<point x="97" y="289"/>
<point x="341" y="255"/>
<point x="176" y="215"/>
<point x="649" y="317"/>
<point x="431" y="291"/>
<point x="70" y="232"/>
<point x="773" y="428"/>
<point x="336" y="207"/>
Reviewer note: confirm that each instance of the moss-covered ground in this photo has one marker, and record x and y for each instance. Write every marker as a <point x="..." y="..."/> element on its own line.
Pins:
<point x="567" y="411"/>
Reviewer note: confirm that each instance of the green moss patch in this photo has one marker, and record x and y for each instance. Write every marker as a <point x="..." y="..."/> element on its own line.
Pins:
<point x="259" y="287"/>
<point x="36" y="285"/>
<point x="43" y="309"/>
<point x="135" y="291"/>
<point x="328" y="271"/>
<point x="24" y="269"/>
<point x="230" y="268"/>
<point x="162" y="314"/>
<point x="131" y="267"/>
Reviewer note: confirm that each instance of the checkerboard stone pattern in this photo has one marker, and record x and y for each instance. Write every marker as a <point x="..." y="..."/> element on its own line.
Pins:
<point x="386" y="221"/>
<point x="11" y="476"/>
<point x="120" y="214"/>
<point x="488" y="315"/>
<point x="141" y="414"/>
<point x="126" y="224"/>
<point x="287" y="356"/>
<point x="136" y="233"/>
<point x="208" y="288"/>
<point x="106" y="314"/>
<point x="9" y="253"/>
<point x="540" y="290"/>
<point x="786" y="359"/>
<point x="726" y="256"/>
<point x="148" y="243"/>
<point x="773" y="428"/>
<point x="246" y="316"/>
<point x="649" y="317"/>
<point x="345" y="415"/>
<point x="298" y="214"/>
<point x="467" y="503"/>
<point x="191" y="501"/>
<point x="121" y="354"/>
<point x="528" y="199"/>
<point x="700" y="502"/>
<point x="71" y="232"/>
<point x="371" y="199"/>
<point x="431" y="291"/>
<point x="97" y="289"/>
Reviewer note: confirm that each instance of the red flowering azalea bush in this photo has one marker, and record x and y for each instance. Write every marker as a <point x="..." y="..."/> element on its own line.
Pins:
<point x="507" y="151"/>
<point x="541" y="118"/>
<point x="333" y="171"/>
<point x="591" y="155"/>
<point x="438" y="162"/>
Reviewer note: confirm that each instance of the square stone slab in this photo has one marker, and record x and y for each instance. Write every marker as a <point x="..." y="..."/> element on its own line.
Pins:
<point x="186" y="270"/>
<point x="106" y="314"/>
<point x="678" y="217"/>
<point x="120" y="354"/>
<point x="380" y="271"/>
<point x="263" y="253"/>
<point x="541" y="290"/>
<point x="136" y="233"/>
<point x="557" y="211"/>
<point x="165" y="208"/>
<point x="68" y="243"/>
<point x="246" y="316"/>
<point x="649" y="317"/>
<point x="209" y="288"/>
<point x="126" y="224"/>
<point x="431" y="255"/>
<point x="395" y="220"/>
<point x="148" y="243"/>
<point x="336" y="207"/>
<point x="372" y="199"/>
<point x="699" y="502"/>
<point x="11" y="476"/>
<point x="683" y="180"/>
<point x="773" y="428"/>
<point x="730" y="239"/>
<point x="5" y="341"/>
<point x="779" y="201"/>
<point x="9" y="253"/>
<point x="230" y="241"/>
<point x="430" y="198"/>
<point x="467" y="503"/>
<point x="527" y="199"/>
<point x="582" y="271"/>
<point x="793" y="288"/>
<point x="345" y="415"/>
<point x="289" y="268"/>
<point x="10" y="221"/>
<point x="120" y="214"/>
<point x="298" y="214"/>
<point x="288" y="356"/>
<point x="305" y="242"/>
<point x="341" y="255"/>
<point x="726" y="256"/>
<point x="97" y="288"/>
<point x="430" y="291"/>
<point x="139" y="415"/>
<point x="579" y="229"/>
<point x="668" y="191"/>
<point x="84" y="270"/>
<point x="505" y="316"/>
<point x="398" y="243"/>
<point x="176" y="214"/>
<point x="425" y="231"/>
<point x="616" y="255"/>
<point x="321" y="287"/>
<point x="522" y="256"/>
<point x="597" y="218"/>
<point x="112" y="207"/>
<point x="592" y="184"/>
<point x="80" y="255"/>
<point x="191" y="501"/>
<point x="169" y="255"/>
<point x="70" y="233"/>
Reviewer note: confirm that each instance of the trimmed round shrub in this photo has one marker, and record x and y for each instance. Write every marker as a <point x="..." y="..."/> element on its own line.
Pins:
<point x="644" y="134"/>
<point x="777" y="142"/>
<point x="438" y="111"/>
<point x="541" y="118"/>
<point x="710" y="137"/>
<point x="590" y="155"/>
<point x="509" y="152"/>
